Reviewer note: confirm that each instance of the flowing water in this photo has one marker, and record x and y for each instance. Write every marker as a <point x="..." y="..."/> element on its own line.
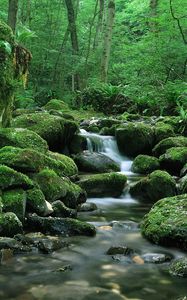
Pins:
<point x="43" y="277"/>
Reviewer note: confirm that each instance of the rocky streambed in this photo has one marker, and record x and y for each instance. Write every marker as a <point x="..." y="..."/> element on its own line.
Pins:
<point x="56" y="245"/>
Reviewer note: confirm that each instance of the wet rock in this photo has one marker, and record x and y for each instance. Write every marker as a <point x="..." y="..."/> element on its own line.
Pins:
<point x="103" y="185"/>
<point x="166" y="223"/>
<point x="164" y="145"/>
<point x="60" y="226"/>
<point x="70" y="168"/>
<point x="88" y="206"/>
<point x="15" y="201"/>
<point x="174" y="160"/>
<point x="51" y="244"/>
<point x="135" y="138"/>
<point x="95" y="162"/>
<point x="179" y="267"/>
<point x="60" y="210"/>
<point x="163" y="131"/>
<point x="78" y="144"/>
<point x="36" y="202"/>
<point x="125" y="250"/>
<point x="145" y="164"/>
<point x="156" y="258"/>
<point x="14" y="245"/>
<point x="10" y="224"/>
<point x="122" y="259"/>
<point x="157" y="185"/>
<point x="126" y="225"/>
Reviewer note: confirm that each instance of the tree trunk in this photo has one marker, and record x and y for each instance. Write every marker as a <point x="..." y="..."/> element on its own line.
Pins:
<point x="12" y="14"/>
<point x="107" y="41"/>
<point x="74" y="38"/>
<point x="99" y="24"/>
<point x="153" y="15"/>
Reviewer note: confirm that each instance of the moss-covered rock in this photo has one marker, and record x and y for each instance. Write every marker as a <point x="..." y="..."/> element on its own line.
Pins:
<point x="10" y="224"/>
<point x="60" y="210"/>
<point x="70" y="168"/>
<point x="59" y="188"/>
<point x="28" y="160"/>
<point x="179" y="267"/>
<point x="174" y="160"/>
<point x="164" y="145"/>
<point x="108" y="131"/>
<point x="95" y="162"/>
<point x="135" y="138"/>
<point x="163" y="131"/>
<point x="157" y="185"/>
<point x="15" y="201"/>
<point x="166" y="223"/>
<point x="103" y="185"/>
<point x="36" y="202"/>
<point x="57" y="131"/>
<point x="78" y="144"/>
<point x="61" y="226"/>
<point x="145" y="164"/>
<point x="22" y="138"/>
<point x="55" y="104"/>
<point x="12" y="179"/>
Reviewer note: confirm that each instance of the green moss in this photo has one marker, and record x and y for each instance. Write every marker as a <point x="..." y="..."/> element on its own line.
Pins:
<point x="36" y="201"/>
<point x="15" y="201"/>
<point x="174" y="159"/>
<point x="144" y="164"/>
<point x="10" y="225"/>
<point x="163" y="131"/>
<point x="179" y="267"/>
<point x="6" y="33"/>
<point x="166" y="223"/>
<point x="70" y="168"/>
<point x="157" y="185"/>
<point x="78" y="144"/>
<point x="164" y="145"/>
<point x="11" y="179"/>
<point x="135" y="138"/>
<point x="102" y="185"/>
<point x="56" y="104"/>
<point x="22" y="138"/>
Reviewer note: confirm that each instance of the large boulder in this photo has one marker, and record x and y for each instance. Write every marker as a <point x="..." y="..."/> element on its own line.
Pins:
<point x="103" y="185"/>
<point x="166" y="223"/>
<point x="10" y="224"/>
<point x="164" y="145"/>
<point x="55" y="104"/>
<point x="15" y="201"/>
<point x="22" y="138"/>
<point x="60" y="188"/>
<point x="70" y="168"/>
<point x="11" y="179"/>
<point x="155" y="186"/>
<point x="95" y="162"/>
<point x="37" y="203"/>
<point x="174" y="160"/>
<point x="163" y="131"/>
<point x="78" y="144"/>
<point x="57" y="131"/>
<point x="61" y="226"/>
<point x="135" y="138"/>
<point x="145" y="164"/>
<point x="28" y="160"/>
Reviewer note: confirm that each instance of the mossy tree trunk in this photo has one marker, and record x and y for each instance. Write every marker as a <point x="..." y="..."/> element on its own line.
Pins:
<point x="12" y="14"/>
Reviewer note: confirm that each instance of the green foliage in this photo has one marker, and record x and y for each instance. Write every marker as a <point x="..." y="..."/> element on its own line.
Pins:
<point x="6" y="46"/>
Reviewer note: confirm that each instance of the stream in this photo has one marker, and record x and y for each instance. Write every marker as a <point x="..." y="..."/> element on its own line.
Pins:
<point x="66" y="273"/>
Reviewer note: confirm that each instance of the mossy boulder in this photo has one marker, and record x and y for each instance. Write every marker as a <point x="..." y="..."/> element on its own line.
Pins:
<point x="163" y="131"/>
<point x="166" y="223"/>
<point x="164" y="145"/>
<point x="70" y="168"/>
<point x="62" y="211"/>
<point x="179" y="267"/>
<point x="61" y="226"/>
<point x="55" y="104"/>
<point x="15" y="201"/>
<point x="37" y="203"/>
<point x="11" y="179"/>
<point x="57" y="131"/>
<point x="28" y="161"/>
<point x="22" y="138"/>
<point x="10" y="224"/>
<point x="95" y="162"/>
<point x="78" y="144"/>
<point x="103" y="185"/>
<point x="157" y="185"/>
<point x="108" y="131"/>
<point x="135" y="138"/>
<point x="60" y="188"/>
<point x="145" y="164"/>
<point x="174" y="160"/>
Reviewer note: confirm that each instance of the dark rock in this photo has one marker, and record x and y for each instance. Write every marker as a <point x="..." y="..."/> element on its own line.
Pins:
<point x="51" y="244"/>
<point x="156" y="258"/>
<point x="145" y="164"/>
<point x="125" y="250"/>
<point x="174" y="160"/>
<point x="164" y="145"/>
<point x="88" y="206"/>
<point x="60" y="210"/>
<point x="126" y="225"/>
<point x="179" y="267"/>
<point x="14" y="245"/>
<point x="10" y="224"/>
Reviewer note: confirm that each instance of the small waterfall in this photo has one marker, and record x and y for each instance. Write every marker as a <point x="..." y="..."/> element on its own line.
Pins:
<point x="108" y="146"/>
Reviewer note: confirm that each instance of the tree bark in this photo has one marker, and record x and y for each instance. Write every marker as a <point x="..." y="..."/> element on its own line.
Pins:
<point x="107" y="41"/>
<point x="99" y="24"/>
<point x="12" y="14"/>
<point x="74" y="39"/>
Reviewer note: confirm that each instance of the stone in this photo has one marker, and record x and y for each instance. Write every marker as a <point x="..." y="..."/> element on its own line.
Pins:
<point x="87" y="206"/>
<point x="60" y="210"/>
<point x="95" y="162"/>
<point x="157" y="185"/>
<point x="125" y="250"/>
<point x="11" y="179"/>
<point x="174" y="160"/>
<point x="156" y="258"/>
<point x="163" y="131"/>
<point x="10" y="224"/>
<point x="103" y="185"/>
<point x="166" y="222"/>
<point x="16" y="246"/>
<point x="15" y="201"/>
<point x="36" y="202"/>
<point x="145" y="164"/>
<point x="179" y="267"/>
<point x="164" y="145"/>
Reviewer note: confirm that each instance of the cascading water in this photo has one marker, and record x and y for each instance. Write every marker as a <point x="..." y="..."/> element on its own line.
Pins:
<point x="108" y="146"/>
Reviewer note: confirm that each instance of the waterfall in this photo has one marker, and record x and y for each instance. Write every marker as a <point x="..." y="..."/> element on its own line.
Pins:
<point x="107" y="145"/>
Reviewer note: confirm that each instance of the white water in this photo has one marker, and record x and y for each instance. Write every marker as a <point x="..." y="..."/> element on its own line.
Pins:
<point x="107" y="145"/>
